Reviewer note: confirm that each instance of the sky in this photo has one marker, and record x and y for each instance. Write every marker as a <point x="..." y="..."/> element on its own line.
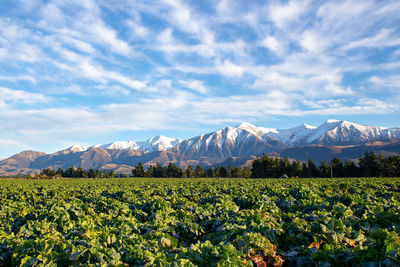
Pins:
<point x="90" y="72"/>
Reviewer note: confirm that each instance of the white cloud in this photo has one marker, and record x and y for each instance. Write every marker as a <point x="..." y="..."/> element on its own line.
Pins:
<point x="311" y="42"/>
<point x="182" y="17"/>
<point x="3" y="53"/>
<point x="343" y="10"/>
<point x="82" y="46"/>
<point x="170" y="46"/>
<point x="323" y="104"/>
<point x="12" y="97"/>
<point x="28" y="53"/>
<point x="167" y="84"/>
<point x="72" y="89"/>
<point x="363" y="106"/>
<point x="19" y="78"/>
<point x="283" y="14"/>
<point x="396" y="53"/>
<point x="138" y="30"/>
<point x="84" y="67"/>
<point x="195" y="85"/>
<point x="116" y="76"/>
<point x="107" y="35"/>
<point x="28" y="5"/>
<point x="382" y="39"/>
<point x="52" y="13"/>
<point x="271" y="43"/>
<point x="276" y="80"/>
<point x="83" y="27"/>
<point x="229" y="69"/>
<point x="10" y="143"/>
<point x="165" y="37"/>
<point x="390" y="81"/>
<point x="113" y="90"/>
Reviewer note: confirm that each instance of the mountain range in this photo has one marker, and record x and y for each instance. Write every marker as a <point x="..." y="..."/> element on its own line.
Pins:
<point x="228" y="146"/>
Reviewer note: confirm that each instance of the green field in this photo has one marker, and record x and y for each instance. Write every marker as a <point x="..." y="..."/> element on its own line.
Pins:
<point x="200" y="222"/>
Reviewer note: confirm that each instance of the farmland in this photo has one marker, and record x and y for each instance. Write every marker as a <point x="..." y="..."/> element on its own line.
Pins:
<point x="200" y="222"/>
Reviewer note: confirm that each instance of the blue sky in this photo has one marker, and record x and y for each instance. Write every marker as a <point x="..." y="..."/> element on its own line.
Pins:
<point x="87" y="72"/>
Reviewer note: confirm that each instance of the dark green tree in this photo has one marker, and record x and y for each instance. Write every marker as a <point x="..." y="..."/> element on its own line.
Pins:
<point x="159" y="171"/>
<point x="138" y="171"/>
<point x="210" y="172"/>
<point x="337" y="169"/>
<point x="350" y="169"/>
<point x="324" y="169"/>
<point x="173" y="171"/>
<point x="223" y="173"/>
<point x="285" y="167"/>
<point x="91" y="173"/>
<point x="312" y="169"/>
<point x="70" y="172"/>
<point x="199" y="172"/>
<point x="234" y="172"/>
<point x="48" y="172"/>
<point x="189" y="171"/>
<point x="81" y="173"/>
<point x="150" y="171"/>
<point x="296" y="169"/>
<point x="369" y="165"/>
<point x="246" y="173"/>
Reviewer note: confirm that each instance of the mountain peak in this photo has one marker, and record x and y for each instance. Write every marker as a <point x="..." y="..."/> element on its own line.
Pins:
<point x="245" y="124"/>
<point x="308" y="126"/>
<point x="254" y="129"/>
<point x="76" y="148"/>
<point x="332" y="121"/>
<point x="161" y="138"/>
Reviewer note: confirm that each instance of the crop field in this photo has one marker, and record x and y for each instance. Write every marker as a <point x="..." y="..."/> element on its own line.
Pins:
<point x="200" y="222"/>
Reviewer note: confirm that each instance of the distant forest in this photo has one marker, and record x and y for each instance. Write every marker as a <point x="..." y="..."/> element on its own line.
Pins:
<point x="370" y="165"/>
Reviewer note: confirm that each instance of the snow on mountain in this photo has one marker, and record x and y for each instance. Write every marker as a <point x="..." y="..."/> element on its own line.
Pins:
<point x="231" y="141"/>
<point x="76" y="148"/>
<point x="293" y="136"/>
<point x="244" y="139"/>
<point x="156" y="143"/>
<point x="331" y="132"/>
<point x="120" y="145"/>
<point x="254" y="129"/>
<point x="342" y="132"/>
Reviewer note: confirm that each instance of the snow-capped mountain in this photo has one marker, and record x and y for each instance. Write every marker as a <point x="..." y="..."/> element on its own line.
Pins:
<point x="334" y="132"/>
<point x="76" y="148"/>
<point x="293" y="136"/>
<point x="341" y="139"/>
<point x="234" y="140"/>
<point x="242" y="140"/>
<point x="156" y="143"/>
<point x="119" y="145"/>
<point x="159" y="143"/>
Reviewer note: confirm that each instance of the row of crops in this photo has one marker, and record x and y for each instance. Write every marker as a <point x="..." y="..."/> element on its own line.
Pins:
<point x="200" y="222"/>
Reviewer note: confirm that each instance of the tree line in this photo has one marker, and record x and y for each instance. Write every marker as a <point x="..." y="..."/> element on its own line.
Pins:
<point x="73" y="172"/>
<point x="171" y="170"/>
<point x="370" y="165"/>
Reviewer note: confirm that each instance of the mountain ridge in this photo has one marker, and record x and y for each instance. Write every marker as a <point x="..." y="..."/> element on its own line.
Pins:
<point x="243" y="141"/>
<point x="334" y="132"/>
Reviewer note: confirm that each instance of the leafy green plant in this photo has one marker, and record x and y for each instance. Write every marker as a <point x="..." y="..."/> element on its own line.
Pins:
<point x="199" y="222"/>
